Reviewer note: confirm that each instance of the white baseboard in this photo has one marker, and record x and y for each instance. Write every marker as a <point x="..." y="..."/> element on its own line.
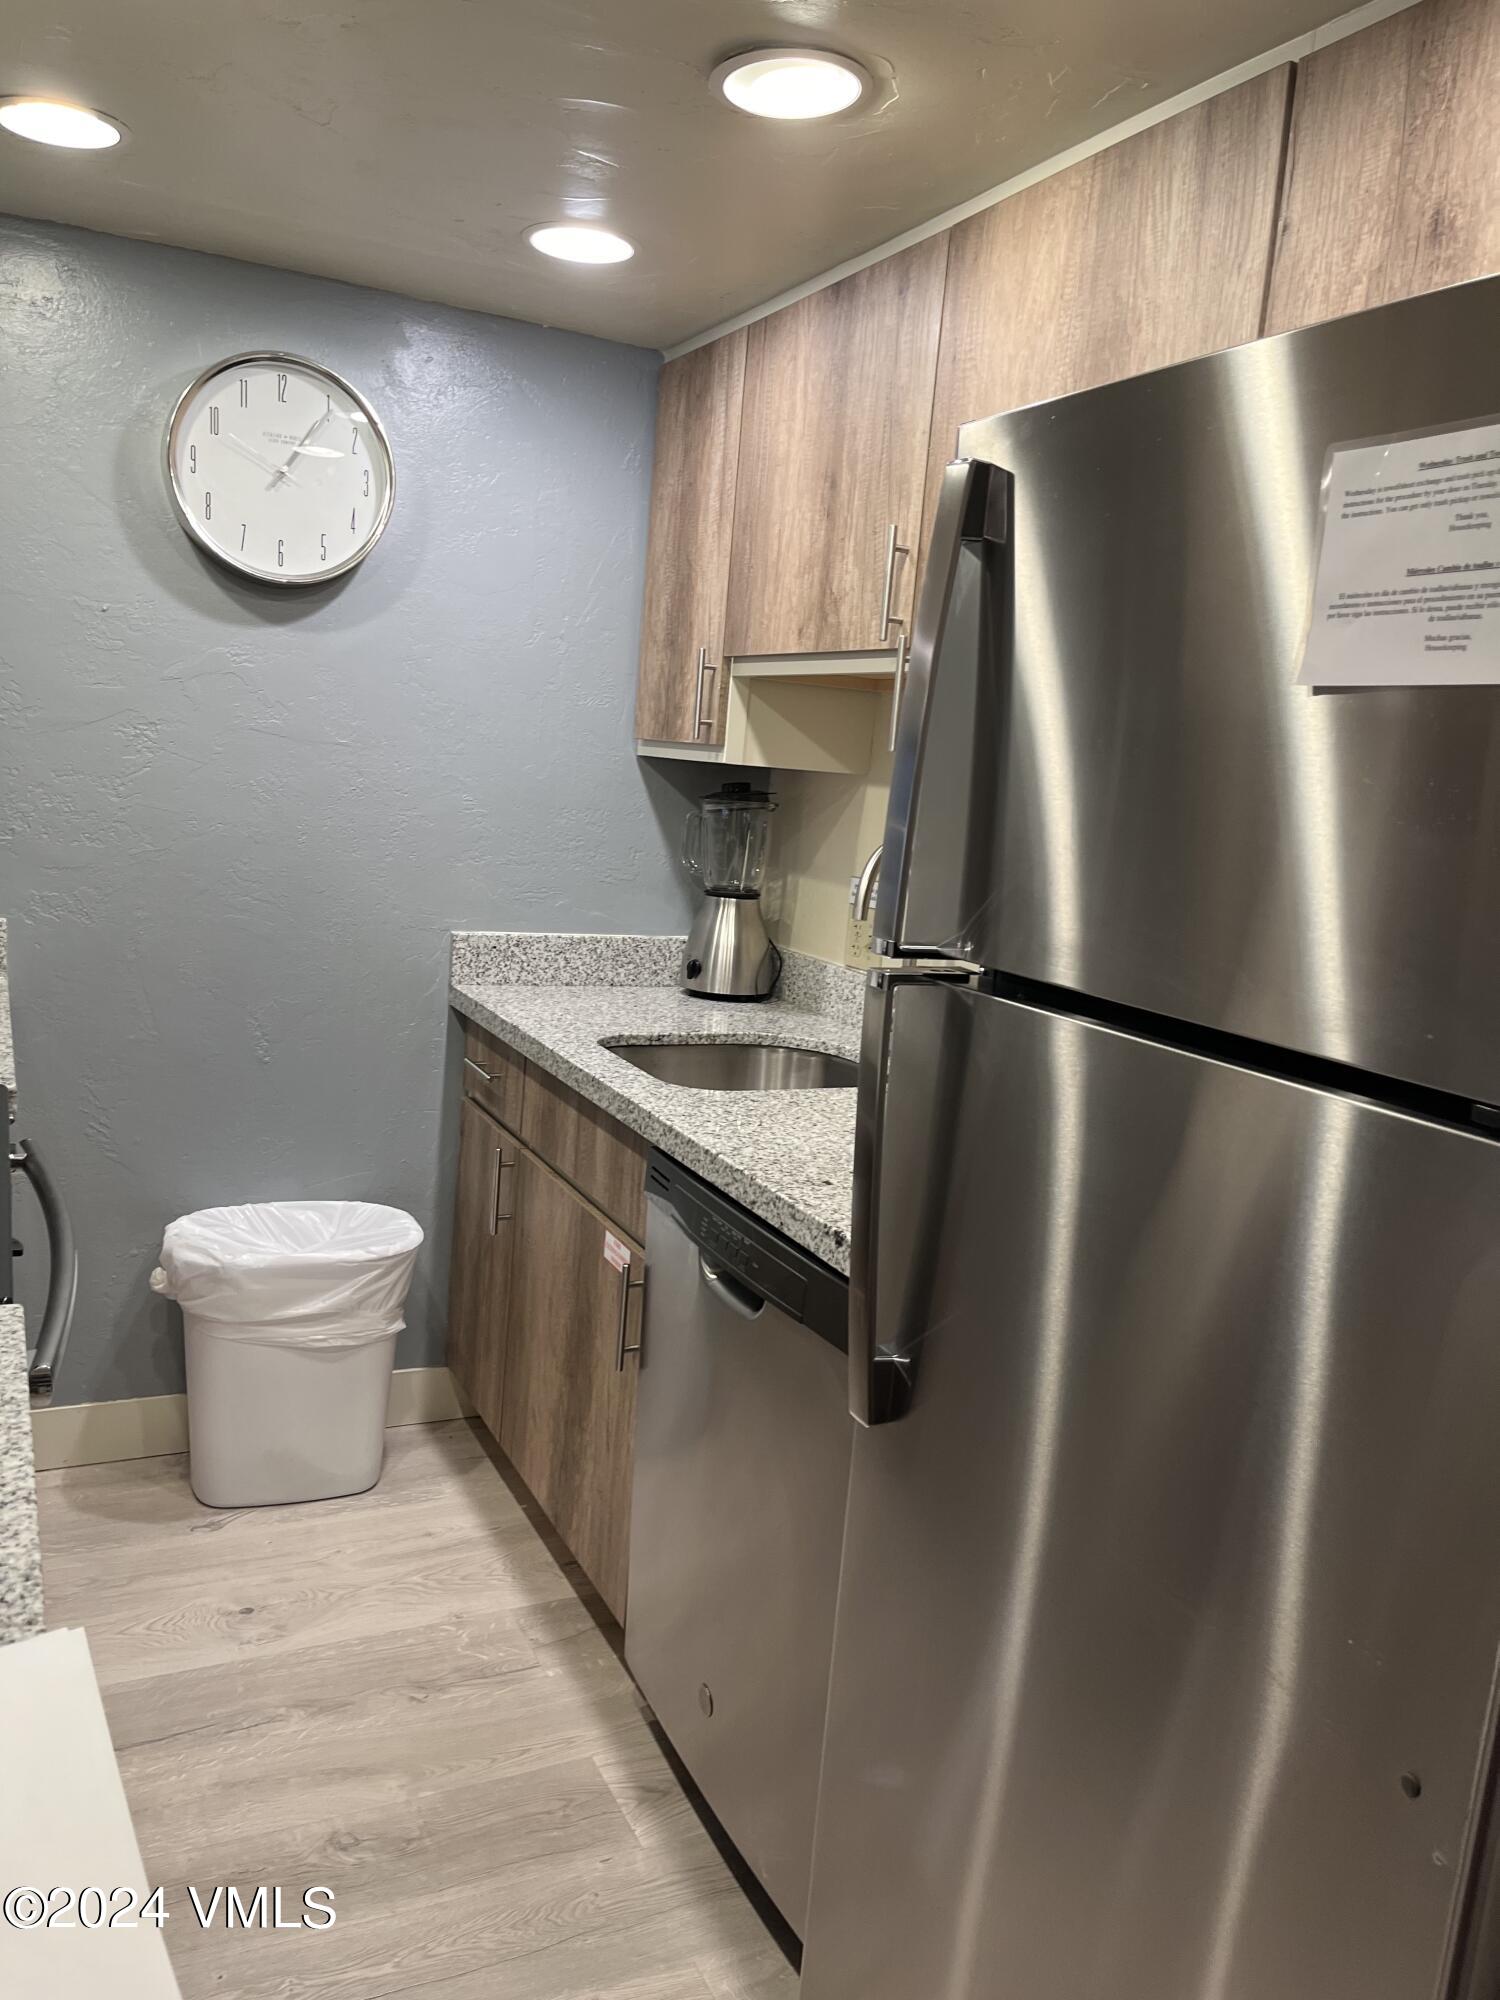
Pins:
<point x="151" y="1426"/>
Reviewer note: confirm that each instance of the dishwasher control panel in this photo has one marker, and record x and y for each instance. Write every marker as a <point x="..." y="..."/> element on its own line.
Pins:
<point x="748" y="1250"/>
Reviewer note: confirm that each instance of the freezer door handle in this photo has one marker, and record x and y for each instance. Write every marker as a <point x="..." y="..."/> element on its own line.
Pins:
<point x="878" y="1378"/>
<point x="973" y="508"/>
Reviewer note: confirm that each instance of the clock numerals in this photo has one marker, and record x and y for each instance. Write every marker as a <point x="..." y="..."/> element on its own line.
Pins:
<point x="219" y="470"/>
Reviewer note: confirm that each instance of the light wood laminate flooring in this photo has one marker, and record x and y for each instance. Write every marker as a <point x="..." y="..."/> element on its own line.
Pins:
<point x="406" y="1696"/>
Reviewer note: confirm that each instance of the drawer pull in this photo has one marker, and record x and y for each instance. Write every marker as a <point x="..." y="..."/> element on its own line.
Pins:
<point x="483" y="1074"/>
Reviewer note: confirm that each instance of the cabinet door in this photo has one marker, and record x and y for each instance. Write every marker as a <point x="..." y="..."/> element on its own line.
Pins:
<point x="838" y="400"/>
<point x="1393" y="175"/>
<point x="568" y="1422"/>
<point x="1151" y="252"/>
<point x="680" y="696"/>
<point x="479" y="1276"/>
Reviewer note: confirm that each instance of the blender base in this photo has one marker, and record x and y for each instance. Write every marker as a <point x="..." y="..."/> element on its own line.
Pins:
<point x="729" y="955"/>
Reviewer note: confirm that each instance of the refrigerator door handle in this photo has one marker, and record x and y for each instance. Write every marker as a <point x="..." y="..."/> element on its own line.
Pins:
<point x="878" y="1378"/>
<point x="974" y="507"/>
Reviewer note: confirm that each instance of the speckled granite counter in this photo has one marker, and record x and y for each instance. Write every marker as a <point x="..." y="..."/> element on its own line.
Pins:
<point x="20" y="1546"/>
<point x="787" y="1155"/>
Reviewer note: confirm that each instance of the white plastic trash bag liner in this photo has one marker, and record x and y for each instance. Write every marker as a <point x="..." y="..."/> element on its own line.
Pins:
<point x="307" y="1273"/>
<point x="290" y="1313"/>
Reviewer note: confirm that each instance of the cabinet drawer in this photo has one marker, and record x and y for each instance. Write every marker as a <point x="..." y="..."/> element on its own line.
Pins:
<point x="494" y="1075"/>
<point x="587" y="1147"/>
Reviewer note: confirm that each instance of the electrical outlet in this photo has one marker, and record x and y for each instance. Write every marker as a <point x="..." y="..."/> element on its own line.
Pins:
<point x="859" y="943"/>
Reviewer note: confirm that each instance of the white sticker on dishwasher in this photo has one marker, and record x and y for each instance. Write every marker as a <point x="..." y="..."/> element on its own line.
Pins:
<point x="616" y="1252"/>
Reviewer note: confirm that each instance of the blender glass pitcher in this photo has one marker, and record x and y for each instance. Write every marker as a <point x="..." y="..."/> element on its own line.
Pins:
<point x="724" y="842"/>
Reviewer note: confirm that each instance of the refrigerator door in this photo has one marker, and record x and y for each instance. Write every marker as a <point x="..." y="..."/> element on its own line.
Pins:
<point x="1170" y="1605"/>
<point x="1106" y="779"/>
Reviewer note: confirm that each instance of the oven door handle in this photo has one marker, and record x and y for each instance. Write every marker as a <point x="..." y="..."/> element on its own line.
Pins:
<point x="62" y="1277"/>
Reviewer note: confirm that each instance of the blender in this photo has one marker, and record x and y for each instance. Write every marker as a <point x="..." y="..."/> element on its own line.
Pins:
<point x="728" y="955"/>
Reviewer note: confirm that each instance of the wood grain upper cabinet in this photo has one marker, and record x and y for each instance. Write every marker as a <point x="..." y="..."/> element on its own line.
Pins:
<point x="1150" y="252"/>
<point x="568" y="1421"/>
<point x="680" y="695"/>
<point x="1393" y="173"/>
<point x="838" y="399"/>
<point x="479" y="1276"/>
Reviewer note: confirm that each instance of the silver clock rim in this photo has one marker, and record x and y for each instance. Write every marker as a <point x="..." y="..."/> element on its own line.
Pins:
<point x="194" y="527"/>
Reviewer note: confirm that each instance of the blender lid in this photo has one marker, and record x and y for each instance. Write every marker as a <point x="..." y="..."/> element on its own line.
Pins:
<point x="737" y="793"/>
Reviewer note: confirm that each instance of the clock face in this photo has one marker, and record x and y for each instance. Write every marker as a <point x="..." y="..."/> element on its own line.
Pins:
<point x="279" y="469"/>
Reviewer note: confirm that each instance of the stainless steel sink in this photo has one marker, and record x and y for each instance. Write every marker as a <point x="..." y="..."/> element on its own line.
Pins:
<point x="738" y="1065"/>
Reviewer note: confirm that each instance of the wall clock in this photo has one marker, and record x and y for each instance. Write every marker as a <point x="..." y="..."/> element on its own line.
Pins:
<point x="279" y="468"/>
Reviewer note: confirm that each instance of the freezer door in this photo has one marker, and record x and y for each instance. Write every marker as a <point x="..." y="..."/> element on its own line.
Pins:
<point x="1112" y="784"/>
<point x="1170" y="1605"/>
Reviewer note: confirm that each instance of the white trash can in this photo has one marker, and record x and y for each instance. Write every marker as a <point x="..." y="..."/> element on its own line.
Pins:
<point x="290" y="1314"/>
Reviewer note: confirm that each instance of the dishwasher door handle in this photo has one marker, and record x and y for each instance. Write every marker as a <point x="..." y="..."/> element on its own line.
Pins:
<point x="730" y="1291"/>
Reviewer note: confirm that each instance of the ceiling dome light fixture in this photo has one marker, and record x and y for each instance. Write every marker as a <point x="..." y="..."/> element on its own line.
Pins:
<point x="53" y="123"/>
<point x="579" y="243"/>
<point x="792" y="83"/>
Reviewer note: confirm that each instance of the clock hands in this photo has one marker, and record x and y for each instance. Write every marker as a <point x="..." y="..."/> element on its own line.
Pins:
<point x="248" y="451"/>
<point x="285" y="471"/>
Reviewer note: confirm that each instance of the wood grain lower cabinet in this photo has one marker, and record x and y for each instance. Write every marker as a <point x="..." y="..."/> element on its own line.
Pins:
<point x="567" y="1423"/>
<point x="479" y="1276"/>
<point x="586" y="1146"/>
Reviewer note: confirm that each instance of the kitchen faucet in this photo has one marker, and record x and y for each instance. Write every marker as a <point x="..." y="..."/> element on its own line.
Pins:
<point x="869" y="877"/>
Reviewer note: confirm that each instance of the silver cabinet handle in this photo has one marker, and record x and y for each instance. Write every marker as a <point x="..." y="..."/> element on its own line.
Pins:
<point x="621" y="1350"/>
<point x="698" y="694"/>
<point x="893" y="548"/>
<point x="502" y="1167"/>
<point x="483" y="1074"/>
<point x="896" y="686"/>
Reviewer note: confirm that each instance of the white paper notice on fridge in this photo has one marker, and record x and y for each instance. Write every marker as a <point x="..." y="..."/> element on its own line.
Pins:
<point x="1407" y="589"/>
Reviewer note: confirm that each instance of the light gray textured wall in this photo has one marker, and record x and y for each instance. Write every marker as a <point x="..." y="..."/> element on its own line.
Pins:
<point x="236" y="827"/>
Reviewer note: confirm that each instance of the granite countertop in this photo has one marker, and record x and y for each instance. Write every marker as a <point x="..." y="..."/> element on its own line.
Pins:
<point x="786" y="1155"/>
<point x="20" y="1544"/>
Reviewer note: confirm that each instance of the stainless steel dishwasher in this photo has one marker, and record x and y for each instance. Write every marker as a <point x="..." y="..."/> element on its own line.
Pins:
<point x="741" y="1474"/>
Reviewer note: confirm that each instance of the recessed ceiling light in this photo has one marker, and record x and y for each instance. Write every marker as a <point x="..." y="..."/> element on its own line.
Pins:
<point x="57" y="124"/>
<point x="791" y="83"/>
<point x="580" y="243"/>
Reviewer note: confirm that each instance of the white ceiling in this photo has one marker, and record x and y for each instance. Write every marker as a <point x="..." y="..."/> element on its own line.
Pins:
<point x="407" y="143"/>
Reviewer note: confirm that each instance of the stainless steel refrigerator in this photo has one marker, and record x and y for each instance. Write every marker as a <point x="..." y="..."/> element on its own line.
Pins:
<point x="1165" y="1663"/>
